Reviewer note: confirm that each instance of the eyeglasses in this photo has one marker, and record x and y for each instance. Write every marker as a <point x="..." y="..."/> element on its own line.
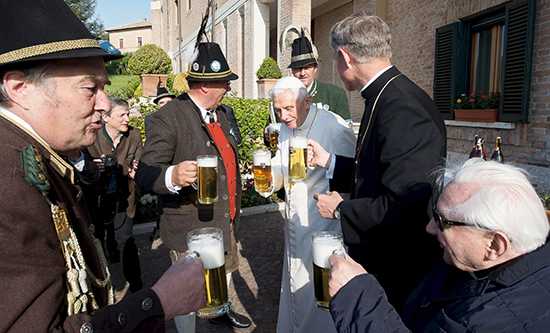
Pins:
<point x="440" y="222"/>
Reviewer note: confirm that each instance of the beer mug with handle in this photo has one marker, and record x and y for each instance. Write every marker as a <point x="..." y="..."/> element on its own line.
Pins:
<point x="262" y="172"/>
<point x="207" y="179"/>
<point x="323" y="244"/>
<point x="208" y="243"/>
<point x="297" y="159"/>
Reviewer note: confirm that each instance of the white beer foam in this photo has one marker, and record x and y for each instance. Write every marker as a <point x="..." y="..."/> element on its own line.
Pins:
<point x="298" y="142"/>
<point x="210" y="250"/>
<point x="264" y="158"/>
<point x="274" y="127"/>
<point x="322" y="248"/>
<point x="208" y="162"/>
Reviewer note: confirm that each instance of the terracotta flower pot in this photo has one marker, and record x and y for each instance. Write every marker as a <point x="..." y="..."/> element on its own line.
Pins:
<point x="149" y="83"/>
<point x="264" y="85"/>
<point x="484" y="115"/>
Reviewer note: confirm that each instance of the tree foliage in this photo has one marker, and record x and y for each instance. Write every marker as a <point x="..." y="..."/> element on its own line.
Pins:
<point x="149" y="59"/>
<point x="85" y="10"/>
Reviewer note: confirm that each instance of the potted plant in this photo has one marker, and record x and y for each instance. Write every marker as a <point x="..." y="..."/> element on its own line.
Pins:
<point x="268" y="73"/>
<point x="153" y="65"/>
<point x="478" y="107"/>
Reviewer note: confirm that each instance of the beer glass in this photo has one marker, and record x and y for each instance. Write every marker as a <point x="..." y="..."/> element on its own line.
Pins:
<point x="208" y="243"/>
<point x="262" y="172"/>
<point x="274" y="129"/>
<point x="297" y="161"/>
<point x="207" y="179"/>
<point x="323" y="244"/>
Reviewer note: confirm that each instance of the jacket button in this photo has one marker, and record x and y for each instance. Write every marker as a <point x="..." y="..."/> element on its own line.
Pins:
<point x="207" y="143"/>
<point x="226" y="215"/>
<point x="87" y="328"/>
<point x="147" y="304"/>
<point x="225" y="197"/>
<point x="227" y="146"/>
<point x="122" y="319"/>
<point x="223" y="177"/>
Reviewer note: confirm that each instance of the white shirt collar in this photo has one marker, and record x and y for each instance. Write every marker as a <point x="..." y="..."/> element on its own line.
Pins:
<point x="376" y="77"/>
<point x="204" y="112"/>
<point x="19" y="121"/>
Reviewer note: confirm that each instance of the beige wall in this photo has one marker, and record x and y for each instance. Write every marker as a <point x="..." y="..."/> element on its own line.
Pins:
<point x="130" y="38"/>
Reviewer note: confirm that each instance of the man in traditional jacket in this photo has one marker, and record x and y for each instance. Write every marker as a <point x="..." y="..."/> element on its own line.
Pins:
<point x="120" y="146"/>
<point x="297" y="310"/>
<point x="54" y="275"/>
<point x="401" y="141"/>
<point x="194" y="124"/>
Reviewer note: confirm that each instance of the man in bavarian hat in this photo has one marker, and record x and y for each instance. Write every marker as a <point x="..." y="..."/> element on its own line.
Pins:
<point x="163" y="96"/>
<point x="194" y="124"/>
<point x="54" y="276"/>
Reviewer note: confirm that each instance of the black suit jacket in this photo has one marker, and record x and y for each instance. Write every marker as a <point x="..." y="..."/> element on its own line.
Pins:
<point x="178" y="133"/>
<point x="384" y="222"/>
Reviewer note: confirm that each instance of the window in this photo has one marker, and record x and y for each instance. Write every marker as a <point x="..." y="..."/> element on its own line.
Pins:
<point x="121" y="43"/>
<point x="139" y="41"/>
<point x="489" y="51"/>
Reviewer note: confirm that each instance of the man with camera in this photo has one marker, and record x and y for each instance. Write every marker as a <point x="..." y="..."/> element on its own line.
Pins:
<point x="117" y="148"/>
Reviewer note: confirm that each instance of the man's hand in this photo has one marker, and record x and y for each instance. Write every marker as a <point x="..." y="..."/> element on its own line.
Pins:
<point x="184" y="173"/>
<point x="266" y="134"/>
<point x="327" y="203"/>
<point x="342" y="271"/>
<point x="100" y="165"/>
<point x="181" y="288"/>
<point x="133" y="169"/>
<point x="317" y="155"/>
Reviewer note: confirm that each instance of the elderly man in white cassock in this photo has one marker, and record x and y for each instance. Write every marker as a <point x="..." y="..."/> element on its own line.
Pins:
<point x="291" y="102"/>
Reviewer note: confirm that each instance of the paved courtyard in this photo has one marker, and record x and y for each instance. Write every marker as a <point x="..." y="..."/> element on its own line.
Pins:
<point x="254" y="288"/>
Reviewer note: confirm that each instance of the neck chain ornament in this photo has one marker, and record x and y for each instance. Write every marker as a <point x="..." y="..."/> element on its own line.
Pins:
<point x="79" y="278"/>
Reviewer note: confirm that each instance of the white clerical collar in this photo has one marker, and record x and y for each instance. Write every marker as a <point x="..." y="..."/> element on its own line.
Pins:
<point x="22" y="123"/>
<point x="376" y="77"/>
<point x="204" y="112"/>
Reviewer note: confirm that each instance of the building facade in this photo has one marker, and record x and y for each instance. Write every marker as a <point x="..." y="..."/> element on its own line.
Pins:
<point x="448" y="47"/>
<point x="129" y="37"/>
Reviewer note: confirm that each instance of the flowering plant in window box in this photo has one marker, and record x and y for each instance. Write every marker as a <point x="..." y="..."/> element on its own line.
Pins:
<point x="478" y="107"/>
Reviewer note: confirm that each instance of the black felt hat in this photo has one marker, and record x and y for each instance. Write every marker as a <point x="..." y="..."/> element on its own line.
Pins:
<point x="210" y="65"/>
<point x="34" y="30"/>
<point x="161" y="93"/>
<point x="303" y="53"/>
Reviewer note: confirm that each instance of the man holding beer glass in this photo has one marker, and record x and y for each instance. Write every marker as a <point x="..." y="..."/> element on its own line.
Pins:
<point x="302" y="120"/>
<point x="190" y="126"/>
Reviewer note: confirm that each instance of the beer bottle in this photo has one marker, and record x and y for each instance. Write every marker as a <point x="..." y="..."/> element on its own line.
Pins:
<point x="497" y="154"/>
<point x="480" y="152"/>
<point x="473" y="152"/>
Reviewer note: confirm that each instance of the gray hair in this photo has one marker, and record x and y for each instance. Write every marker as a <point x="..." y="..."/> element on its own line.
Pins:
<point x="291" y="84"/>
<point x="366" y="37"/>
<point x="115" y="101"/>
<point x="500" y="198"/>
<point x="35" y="72"/>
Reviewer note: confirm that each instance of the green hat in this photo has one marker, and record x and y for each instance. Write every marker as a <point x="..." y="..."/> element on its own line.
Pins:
<point x="303" y="53"/>
<point x="34" y="30"/>
<point x="210" y="65"/>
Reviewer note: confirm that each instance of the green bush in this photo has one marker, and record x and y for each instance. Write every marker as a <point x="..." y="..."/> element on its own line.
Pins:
<point x="170" y="81"/>
<point x="149" y="59"/>
<point x="269" y="70"/>
<point x="119" y="66"/>
<point x="251" y="116"/>
<point x="144" y="109"/>
<point x="128" y="89"/>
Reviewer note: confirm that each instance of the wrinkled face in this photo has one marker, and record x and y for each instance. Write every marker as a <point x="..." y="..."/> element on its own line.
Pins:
<point x="164" y="100"/>
<point x="118" y="120"/>
<point x="216" y="91"/>
<point x="66" y="109"/>
<point x="292" y="112"/>
<point x="464" y="247"/>
<point x="305" y="74"/>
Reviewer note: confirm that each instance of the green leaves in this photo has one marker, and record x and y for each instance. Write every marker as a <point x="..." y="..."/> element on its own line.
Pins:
<point x="149" y="59"/>
<point x="269" y="70"/>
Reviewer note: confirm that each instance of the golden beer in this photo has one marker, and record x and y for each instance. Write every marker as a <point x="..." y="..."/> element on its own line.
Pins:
<point x="207" y="179"/>
<point x="262" y="172"/>
<point x="208" y="243"/>
<point x="297" y="161"/>
<point x="323" y="244"/>
<point x="274" y="129"/>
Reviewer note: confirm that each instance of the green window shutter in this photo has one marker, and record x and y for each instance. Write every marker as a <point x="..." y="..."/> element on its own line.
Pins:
<point x="446" y="63"/>
<point x="518" y="54"/>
